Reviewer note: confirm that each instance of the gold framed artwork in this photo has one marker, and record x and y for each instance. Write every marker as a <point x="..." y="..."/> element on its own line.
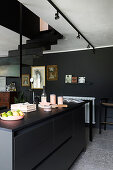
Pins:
<point x="25" y="80"/>
<point x="38" y="75"/>
<point x="52" y="72"/>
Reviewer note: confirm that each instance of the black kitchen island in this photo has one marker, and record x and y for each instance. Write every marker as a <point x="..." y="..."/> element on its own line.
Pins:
<point x="43" y="140"/>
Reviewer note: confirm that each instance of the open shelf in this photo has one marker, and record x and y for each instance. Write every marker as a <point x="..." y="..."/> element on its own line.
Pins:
<point x="87" y="83"/>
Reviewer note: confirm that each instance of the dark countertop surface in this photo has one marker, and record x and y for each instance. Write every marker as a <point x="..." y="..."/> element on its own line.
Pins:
<point x="34" y="117"/>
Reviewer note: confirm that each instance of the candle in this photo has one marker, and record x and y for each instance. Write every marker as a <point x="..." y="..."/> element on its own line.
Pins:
<point x="60" y="99"/>
<point x="52" y="98"/>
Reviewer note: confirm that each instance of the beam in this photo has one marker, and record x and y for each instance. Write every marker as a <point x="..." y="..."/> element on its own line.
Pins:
<point x="20" y="40"/>
<point x="61" y="13"/>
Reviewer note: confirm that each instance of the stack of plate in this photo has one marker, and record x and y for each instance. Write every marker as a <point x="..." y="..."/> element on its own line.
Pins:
<point x="24" y="107"/>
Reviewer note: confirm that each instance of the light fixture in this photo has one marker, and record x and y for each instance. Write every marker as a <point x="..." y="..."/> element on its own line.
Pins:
<point x="78" y="36"/>
<point x="31" y="80"/>
<point x="57" y="15"/>
<point x="88" y="46"/>
<point x="71" y="24"/>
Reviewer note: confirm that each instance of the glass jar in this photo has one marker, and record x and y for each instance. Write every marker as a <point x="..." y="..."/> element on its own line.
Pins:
<point x="60" y="100"/>
<point x="52" y="98"/>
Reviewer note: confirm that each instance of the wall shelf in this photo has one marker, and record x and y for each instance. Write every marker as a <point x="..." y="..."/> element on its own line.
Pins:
<point x="87" y="83"/>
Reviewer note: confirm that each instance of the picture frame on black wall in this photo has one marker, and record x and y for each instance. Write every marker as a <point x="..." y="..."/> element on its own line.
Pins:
<point x="68" y="78"/>
<point x="38" y="76"/>
<point x="74" y="80"/>
<point x="81" y="79"/>
<point x="25" y="80"/>
<point x="52" y="72"/>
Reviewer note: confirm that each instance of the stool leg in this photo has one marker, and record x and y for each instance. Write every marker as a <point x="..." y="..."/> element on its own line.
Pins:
<point x="100" y="119"/>
<point x="105" y="117"/>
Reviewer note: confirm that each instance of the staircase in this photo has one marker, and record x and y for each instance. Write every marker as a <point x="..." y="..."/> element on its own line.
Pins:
<point x="35" y="47"/>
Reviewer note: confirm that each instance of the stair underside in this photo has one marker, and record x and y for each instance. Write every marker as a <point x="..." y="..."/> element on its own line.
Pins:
<point x="33" y="51"/>
<point x="35" y="47"/>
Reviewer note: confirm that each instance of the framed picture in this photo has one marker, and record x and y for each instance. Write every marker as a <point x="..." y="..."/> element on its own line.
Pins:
<point x="81" y="79"/>
<point x="38" y="75"/>
<point x="52" y="72"/>
<point x="74" y="79"/>
<point x="68" y="78"/>
<point x="25" y="80"/>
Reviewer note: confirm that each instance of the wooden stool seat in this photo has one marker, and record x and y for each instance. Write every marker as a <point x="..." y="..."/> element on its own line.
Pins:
<point x="108" y="104"/>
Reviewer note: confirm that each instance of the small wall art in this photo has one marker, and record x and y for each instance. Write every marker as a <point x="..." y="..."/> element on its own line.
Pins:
<point x="52" y="72"/>
<point x="74" y="79"/>
<point x="38" y="76"/>
<point x="25" y="80"/>
<point x="81" y="79"/>
<point x="68" y="79"/>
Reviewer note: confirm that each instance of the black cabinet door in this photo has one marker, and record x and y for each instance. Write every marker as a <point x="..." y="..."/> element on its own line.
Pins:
<point x="79" y="129"/>
<point x="62" y="128"/>
<point x="33" y="145"/>
<point x="60" y="160"/>
<point x="69" y="130"/>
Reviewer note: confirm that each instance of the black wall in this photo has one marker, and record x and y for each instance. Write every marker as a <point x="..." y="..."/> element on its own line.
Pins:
<point x="97" y="68"/>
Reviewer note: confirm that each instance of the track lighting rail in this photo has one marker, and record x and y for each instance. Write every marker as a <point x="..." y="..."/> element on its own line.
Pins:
<point x="61" y="13"/>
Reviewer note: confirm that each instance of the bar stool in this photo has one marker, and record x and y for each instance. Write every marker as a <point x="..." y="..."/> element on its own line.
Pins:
<point x="104" y="103"/>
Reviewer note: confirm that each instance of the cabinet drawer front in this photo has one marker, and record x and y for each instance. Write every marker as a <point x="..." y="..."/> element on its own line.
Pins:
<point x="62" y="128"/>
<point x="4" y="104"/>
<point x="5" y="95"/>
<point x="60" y="160"/>
<point x="4" y="99"/>
<point x="33" y="146"/>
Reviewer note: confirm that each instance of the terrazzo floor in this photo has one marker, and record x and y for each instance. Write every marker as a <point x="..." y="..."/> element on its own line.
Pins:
<point x="99" y="153"/>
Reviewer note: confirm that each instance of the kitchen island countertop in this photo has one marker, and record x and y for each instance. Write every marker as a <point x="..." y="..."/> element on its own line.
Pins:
<point x="35" y="117"/>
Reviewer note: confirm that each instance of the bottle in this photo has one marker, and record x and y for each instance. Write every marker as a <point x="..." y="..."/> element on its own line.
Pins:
<point x="43" y="96"/>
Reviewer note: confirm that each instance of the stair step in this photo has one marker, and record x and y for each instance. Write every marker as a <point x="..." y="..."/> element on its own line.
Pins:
<point x="35" y="45"/>
<point x="32" y="51"/>
<point x="49" y="33"/>
<point x="52" y="40"/>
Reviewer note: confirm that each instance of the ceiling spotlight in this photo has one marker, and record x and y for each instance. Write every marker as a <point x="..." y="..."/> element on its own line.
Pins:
<point x="78" y="36"/>
<point x="57" y="15"/>
<point x="88" y="46"/>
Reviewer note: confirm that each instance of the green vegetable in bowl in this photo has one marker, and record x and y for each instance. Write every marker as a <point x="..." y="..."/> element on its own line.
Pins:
<point x="18" y="110"/>
<point x="9" y="113"/>
<point x="4" y="114"/>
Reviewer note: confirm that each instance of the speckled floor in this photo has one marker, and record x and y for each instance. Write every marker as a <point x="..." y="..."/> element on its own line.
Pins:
<point x="99" y="153"/>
